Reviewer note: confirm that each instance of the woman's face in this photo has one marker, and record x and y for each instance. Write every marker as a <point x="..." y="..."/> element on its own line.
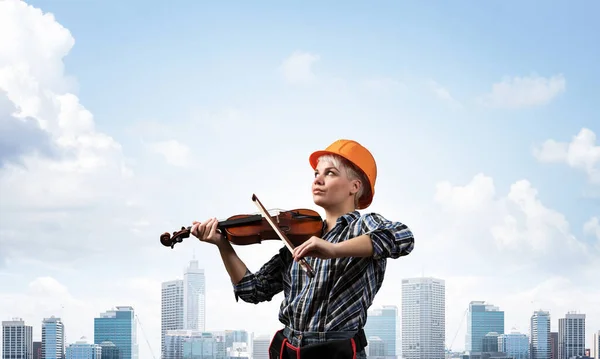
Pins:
<point x="331" y="186"/>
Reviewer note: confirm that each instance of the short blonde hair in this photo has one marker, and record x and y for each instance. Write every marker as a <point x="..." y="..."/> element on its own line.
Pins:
<point x="352" y="172"/>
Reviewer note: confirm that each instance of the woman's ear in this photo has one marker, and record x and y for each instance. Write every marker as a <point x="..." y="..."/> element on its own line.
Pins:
<point x="355" y="186"/>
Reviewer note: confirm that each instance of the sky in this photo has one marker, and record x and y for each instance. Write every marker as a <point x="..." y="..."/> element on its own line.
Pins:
<point x="123" y="120"/>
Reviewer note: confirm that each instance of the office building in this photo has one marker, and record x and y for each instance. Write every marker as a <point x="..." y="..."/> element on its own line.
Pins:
<point x="53" y="338"/>
<point x="553" y="345"/>
<point x="17" y="339"/>
<point x="514" y="344"/>
<point x="482" y="318"/>
<point x="571" y="335"/>
<point x="381" y="322"/>
<point x="260" y="347"/>
<point x="423" y="319"/>
<point x="83" y="349"/>
<point x="171" y="309"/>
<point x="540" y="335"/>
<point x="194" y="305"/>
<point x="118" y="326"/>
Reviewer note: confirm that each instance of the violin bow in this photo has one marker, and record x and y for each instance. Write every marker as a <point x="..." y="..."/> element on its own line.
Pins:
<point x="309" y="271"/>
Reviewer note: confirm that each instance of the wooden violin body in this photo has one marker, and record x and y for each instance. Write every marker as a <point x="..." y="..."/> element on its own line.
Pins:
<point x="292" y="227"/>
<point x="298" y="225"/>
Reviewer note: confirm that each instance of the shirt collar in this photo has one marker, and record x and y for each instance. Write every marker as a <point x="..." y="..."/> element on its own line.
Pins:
<point x="344" y="220"/>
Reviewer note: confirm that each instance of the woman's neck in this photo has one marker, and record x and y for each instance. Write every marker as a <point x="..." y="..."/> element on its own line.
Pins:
<point x="332" y="215"/>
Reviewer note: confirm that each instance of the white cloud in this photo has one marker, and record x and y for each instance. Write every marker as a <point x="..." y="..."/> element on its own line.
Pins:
<point x="298" y="68"/>
<point x="581" y="153"/>
<point x="516" y="229"/>
<point x="472" y="197"/>
<point x="74" y="169"/>
<point x="526" y="91"/>
<point x="174" y="152"/>
<point x="592" y="227"/>
<point x="443" y="94"/>
<point x="510" y="241"/>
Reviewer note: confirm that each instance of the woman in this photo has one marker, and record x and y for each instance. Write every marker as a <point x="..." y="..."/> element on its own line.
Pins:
<point x="324" y="316"/>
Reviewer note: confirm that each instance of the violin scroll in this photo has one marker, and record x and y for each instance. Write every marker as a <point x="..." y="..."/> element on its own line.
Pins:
<point x="178" y="237"/>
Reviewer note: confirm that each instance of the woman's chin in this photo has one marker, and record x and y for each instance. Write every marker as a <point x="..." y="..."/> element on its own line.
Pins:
<point x="319" y="200"/>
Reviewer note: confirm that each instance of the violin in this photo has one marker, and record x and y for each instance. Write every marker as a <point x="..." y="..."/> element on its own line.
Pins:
<point x="293" y="227"/>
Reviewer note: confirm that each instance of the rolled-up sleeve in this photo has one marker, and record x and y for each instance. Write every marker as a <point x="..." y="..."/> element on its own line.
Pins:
<point x="265" y="283"/>
<point x="390" y="239"/>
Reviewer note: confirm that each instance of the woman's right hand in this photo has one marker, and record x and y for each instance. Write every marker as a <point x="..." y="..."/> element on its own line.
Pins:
<point x="207" y="231"/>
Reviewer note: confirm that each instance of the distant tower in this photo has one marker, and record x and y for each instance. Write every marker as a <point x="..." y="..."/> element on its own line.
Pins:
<point x="482" y="318"/>
<point x="571" y="335"/>
<point x="540" y="335"/>
<point x="118" y="326"/>
<point x="194" y="304"/>
<point x="171" y="309"/>
<point x="17" y="339"/>
<point x="53" y="338"/>
<point x="423" y="318"/>
<point x="381" y="322"/>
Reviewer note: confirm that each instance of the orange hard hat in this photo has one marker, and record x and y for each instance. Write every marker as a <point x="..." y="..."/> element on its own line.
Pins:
<point x="357" y="155"/>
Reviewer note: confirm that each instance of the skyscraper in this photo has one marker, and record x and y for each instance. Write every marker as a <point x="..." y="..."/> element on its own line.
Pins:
<point x="553" y="345"/>
<point x="540" y="335"/>
<point x="596" y="345"/>
<point x="515" y="345"/>
<point x="482" y="318"/>
<point x="171" y="309"/>
<point x="423" y="318"/>
<point x="82" y="349"/>
<point x="118" y="326"/>
<point x="53" y="338"/>
<point x="17" y="339"/>
<point x="381" y="322"/>
<point x="571" y="335"/>
<point x="194" y="304"/>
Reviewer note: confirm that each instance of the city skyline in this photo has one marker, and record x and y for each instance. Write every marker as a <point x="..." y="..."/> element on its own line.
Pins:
<point x="401" y="311"/>
<point x="121" y="122"/>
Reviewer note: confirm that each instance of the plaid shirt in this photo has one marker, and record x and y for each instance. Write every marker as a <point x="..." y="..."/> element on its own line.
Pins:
<point x="338" y="297"/>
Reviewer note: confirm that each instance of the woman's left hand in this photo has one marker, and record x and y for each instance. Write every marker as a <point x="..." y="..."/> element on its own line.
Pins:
<point x="315" y="247"/>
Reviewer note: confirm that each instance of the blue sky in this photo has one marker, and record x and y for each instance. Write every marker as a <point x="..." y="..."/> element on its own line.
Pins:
<point x="176" y="90"/>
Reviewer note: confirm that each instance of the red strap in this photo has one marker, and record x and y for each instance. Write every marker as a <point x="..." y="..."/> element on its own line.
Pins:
<point x="353" y="348"/>
<point x="296" y="349"/>
<point x="283" y="347"/>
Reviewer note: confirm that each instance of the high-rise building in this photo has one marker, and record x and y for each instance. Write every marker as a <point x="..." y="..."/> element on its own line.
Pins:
<point x="540" y="335"/>
<point x="53" y="338"/>
<point x="37" y="350"/>
<point x="194" y="303"/>
<point x="423" y="318"/>
<point x="83" y="349"/>
<point x="171" y="309"/>
<point x="490" y="342"/>
<point x="17" y="339"/>
<point x="571" y="335"/>
<point x="482" y="318"/>
<point x="118" y="326"/>
<point x="514" y="344"/>
<point x="596" y="345"/>
<point x="109" y="350"/>
<point x="260" y="347"/>
<point x="381" y="322"/>
<point x="553" y="345"/>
